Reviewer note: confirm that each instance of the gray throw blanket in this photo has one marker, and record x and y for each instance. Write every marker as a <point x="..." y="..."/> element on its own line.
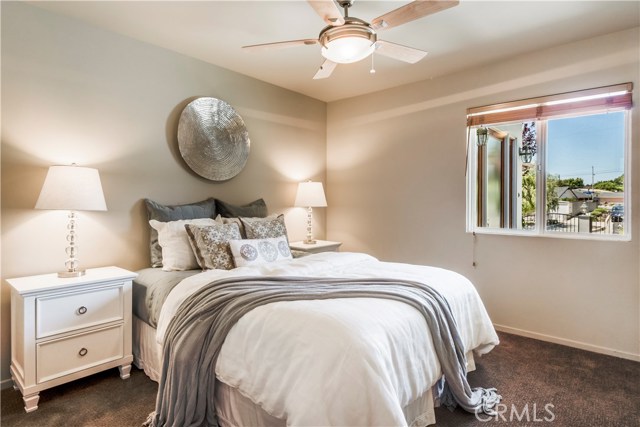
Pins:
<point x="196" y="334"/>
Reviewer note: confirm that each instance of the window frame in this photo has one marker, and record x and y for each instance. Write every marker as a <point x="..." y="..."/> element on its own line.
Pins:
<point x="540" y="229"/>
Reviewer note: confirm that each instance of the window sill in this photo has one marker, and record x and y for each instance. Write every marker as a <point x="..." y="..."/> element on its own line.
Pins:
<point x="550" y="234"/>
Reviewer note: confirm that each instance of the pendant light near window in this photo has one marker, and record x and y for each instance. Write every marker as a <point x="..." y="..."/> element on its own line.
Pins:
<point x="482" y="136"/>
<point x="526" y="154"/>
<point x="529" y="145"/>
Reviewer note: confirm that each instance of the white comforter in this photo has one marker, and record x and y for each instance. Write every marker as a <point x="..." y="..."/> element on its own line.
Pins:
<point x="343" y="361"/>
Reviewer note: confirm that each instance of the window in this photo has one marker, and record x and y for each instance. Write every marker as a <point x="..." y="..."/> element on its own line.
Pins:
<point x="568" y="151"/>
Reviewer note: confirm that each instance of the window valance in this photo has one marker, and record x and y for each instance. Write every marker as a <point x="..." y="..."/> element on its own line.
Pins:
<point x="606" y="98"/>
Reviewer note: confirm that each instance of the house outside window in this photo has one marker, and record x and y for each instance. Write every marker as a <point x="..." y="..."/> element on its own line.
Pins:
<point x="554" y="166"/>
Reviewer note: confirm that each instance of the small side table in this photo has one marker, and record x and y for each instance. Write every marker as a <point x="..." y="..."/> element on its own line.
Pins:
<point x="65" y="329"/>
<point x="315" y="248"/>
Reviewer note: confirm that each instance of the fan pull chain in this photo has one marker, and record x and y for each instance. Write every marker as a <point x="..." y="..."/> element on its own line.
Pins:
<point x="372" y="70"/>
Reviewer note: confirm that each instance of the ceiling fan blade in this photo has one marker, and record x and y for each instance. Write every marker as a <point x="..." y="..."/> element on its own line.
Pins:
<point x="280" y="45"/>
<point x="328" y="11"/>
<point x="325" y="70"/>
<point x="410" y="12"/>
<point x="399" y="52"/>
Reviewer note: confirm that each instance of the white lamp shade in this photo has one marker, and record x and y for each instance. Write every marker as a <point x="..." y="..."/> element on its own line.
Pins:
<point x="72" y="188"/>
<point x="348" y="49"/>
<point x="310" y="194"/>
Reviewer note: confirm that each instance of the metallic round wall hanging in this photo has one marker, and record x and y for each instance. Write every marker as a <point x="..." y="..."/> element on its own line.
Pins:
<point x="213" y="139"/>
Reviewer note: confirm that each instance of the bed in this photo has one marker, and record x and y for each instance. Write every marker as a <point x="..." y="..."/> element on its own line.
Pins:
<point x="282" y="340"/>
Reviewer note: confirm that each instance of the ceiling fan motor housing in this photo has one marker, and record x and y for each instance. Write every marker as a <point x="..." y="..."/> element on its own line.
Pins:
<point x="347" y="43"/>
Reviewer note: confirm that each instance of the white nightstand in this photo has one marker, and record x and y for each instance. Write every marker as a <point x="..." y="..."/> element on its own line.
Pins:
<point x="319" y="246"/>
<point x="65" y="329"/>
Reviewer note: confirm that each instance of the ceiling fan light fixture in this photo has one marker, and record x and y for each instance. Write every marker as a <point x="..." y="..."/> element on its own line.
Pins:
<point x="348" y="43"/>
<point x="347" y="50"/>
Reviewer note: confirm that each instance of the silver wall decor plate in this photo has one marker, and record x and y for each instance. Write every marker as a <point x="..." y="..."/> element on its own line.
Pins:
<point x="213" y="139"/>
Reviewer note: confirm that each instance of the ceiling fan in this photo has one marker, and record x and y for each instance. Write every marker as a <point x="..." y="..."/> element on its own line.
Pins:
<point x="348" y="39"/>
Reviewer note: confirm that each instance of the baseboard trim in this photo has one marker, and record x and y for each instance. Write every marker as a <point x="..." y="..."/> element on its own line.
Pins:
<point x="568" y="343"/>
<point x="8" y="383"/>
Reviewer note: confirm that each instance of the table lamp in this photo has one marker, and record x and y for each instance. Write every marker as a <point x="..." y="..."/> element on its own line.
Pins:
<point x="72" y="188"/>
<point x="310" y="195"/>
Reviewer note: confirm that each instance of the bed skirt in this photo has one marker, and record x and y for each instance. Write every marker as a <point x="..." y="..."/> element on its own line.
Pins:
<point x="235" y="409"/>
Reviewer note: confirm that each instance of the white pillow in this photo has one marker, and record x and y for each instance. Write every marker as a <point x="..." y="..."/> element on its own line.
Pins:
<point x="176" y="249"/>
<point x="259" y="251"/>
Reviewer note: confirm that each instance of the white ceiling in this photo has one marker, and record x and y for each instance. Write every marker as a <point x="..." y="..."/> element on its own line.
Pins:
<point x="471" y="34"/>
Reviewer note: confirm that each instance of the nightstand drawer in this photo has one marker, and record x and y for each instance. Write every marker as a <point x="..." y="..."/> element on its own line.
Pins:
<point x="65" y="356"/>
<point x="68" y="312"/>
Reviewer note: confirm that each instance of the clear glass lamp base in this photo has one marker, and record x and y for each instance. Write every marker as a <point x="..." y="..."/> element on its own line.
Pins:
<point x="76" y="273"/>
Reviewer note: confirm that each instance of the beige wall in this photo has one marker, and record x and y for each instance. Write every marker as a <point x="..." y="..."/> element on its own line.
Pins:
<point x="396" y="162"/>
<point x="75" y="93"/>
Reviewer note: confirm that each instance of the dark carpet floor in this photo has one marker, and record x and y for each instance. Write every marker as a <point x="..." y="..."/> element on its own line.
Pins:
<point x="541" y="384"/>
<point x="586" y="389"/>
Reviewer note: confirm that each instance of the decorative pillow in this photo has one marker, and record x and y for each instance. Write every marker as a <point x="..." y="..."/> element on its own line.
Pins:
<point x="241" y="224"/>
<point x="203" y="209"/>
<point x="264" y="228"/>
<point x="257" y="208"/>
<point x="259" y="251"/>
<point x="234" y="221"/>
<point x="176" y="250"/>
<point x="210" y="245"/>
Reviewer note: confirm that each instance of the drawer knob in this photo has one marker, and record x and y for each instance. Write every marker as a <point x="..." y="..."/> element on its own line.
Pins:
<point x="82" y="310"/>
<point x="83" y="351"/>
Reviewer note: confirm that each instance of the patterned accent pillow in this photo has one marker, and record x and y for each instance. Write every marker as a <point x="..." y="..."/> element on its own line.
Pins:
<point x="177" y="254"/>
<point x="259" y="251"/>
<point x="241" y="225"/>
<point x="203" y="209"/>
<point x="264" y="228"/>
<point x="210" y="245"/>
